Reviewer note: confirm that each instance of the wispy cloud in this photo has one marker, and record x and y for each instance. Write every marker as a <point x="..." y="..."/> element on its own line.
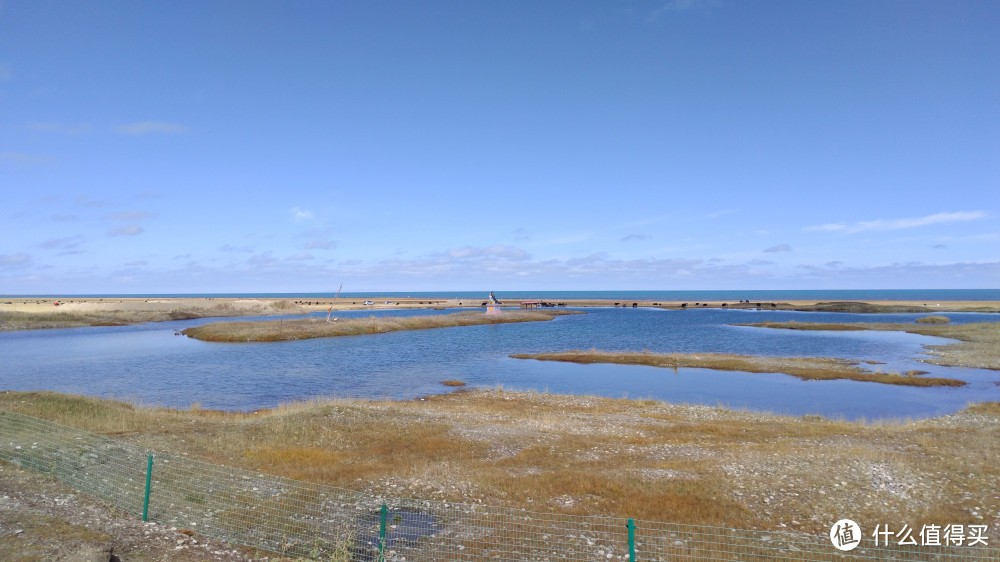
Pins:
<point x="71" y="129"/>
<point x="150" y="127"/>
<point x="301" y="214"/>
<point x="319" y="238"/>
<point x="236" y="249"/>
<point x="899" y="224"/>
<point x="321" y="243"/>
<point x="717" y="214"/>
<point x="22" y="159"/>
<point x="85" y="201"/>
<point x="131" y="215"/>
<point x="64" y="243"/>
<point x="682" y="6"/>
<point x="496" y="251"/>
<point x="778" y="248"/>
<point x="127" y="230"/>
<point x="14" y="260"/>
<point x="635" y="237"/>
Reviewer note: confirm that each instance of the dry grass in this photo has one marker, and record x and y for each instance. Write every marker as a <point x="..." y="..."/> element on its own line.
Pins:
<point x="134" y="314"/>
<point x="806" y="368"/>
<point x="305" y="328"/>
<point x="453" y="383"/>
<point x="978" y="345"/>
<point x="589" y="455"/>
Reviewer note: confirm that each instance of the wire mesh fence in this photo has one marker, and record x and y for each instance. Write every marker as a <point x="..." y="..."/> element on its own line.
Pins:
<point x="301" y="519"/>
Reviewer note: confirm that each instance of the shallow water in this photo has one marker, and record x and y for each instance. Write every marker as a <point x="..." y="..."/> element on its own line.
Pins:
<point x="149" y="364"/>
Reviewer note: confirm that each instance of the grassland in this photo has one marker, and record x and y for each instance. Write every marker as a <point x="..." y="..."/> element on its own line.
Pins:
<point x="977" y="347"/>
<point x="806" y="368"/>
<point x="312" y="327"/>
<point x="589" y="455"/>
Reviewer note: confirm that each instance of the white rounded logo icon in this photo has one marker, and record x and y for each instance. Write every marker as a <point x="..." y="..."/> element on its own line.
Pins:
<point x="845" y="535"/>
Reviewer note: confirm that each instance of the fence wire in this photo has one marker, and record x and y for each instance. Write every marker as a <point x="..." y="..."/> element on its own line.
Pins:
<point x="301" y="519"/>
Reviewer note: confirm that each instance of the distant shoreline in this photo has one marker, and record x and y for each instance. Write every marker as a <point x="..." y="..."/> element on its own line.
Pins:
<point x="865" y="295"/>
<point x="23" y="313"/>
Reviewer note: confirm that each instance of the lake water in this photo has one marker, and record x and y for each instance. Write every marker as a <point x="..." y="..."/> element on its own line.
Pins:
<point x="149" y="364"/>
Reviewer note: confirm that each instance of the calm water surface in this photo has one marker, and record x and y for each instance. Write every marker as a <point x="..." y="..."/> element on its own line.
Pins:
<point x="149" y="364"/>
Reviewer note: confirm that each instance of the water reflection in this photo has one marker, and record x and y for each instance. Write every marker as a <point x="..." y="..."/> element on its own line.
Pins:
<point x="148" y="363"/>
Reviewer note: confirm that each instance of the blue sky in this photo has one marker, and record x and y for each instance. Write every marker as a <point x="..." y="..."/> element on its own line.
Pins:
<point x="198" y="146"/>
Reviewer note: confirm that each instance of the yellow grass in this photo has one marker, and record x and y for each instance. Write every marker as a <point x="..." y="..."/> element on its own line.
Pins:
<point x="806" y="368"/>
<point x="590" y="455"/>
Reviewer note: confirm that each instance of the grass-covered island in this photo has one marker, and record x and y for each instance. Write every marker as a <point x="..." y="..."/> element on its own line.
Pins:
<point x="978" y="343"/>
<point x="312" y="327"/>
<point x="806" y="368"/>
<point x="977" y="347"/>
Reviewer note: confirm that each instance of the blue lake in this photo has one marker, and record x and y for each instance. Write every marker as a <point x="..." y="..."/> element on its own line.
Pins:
<point x="149" y="364"/>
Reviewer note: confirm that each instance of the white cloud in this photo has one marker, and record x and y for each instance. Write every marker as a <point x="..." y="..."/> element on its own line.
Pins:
<point x="147" y="127"/>
<point x="899" y="224"/>
<point x="301" y="214"/>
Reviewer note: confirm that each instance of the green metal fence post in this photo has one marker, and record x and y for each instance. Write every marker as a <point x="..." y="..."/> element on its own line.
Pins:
<point x="149" y="478"/>
<point x="631" y="540"/>
<point x="381" y="534"/>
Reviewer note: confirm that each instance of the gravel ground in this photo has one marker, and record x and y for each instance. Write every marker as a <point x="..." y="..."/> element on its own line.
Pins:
<point x="43" y="520"/>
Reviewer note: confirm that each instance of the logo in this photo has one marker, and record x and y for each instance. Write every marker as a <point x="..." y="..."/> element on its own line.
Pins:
<point x="845" y="535"/>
